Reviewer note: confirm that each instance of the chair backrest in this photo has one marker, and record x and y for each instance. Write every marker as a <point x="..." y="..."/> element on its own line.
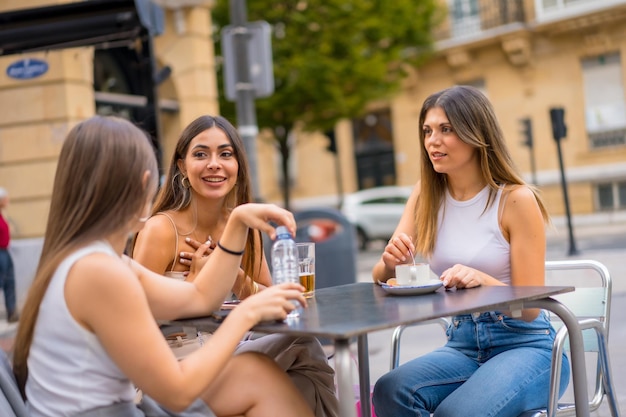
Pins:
<point x="591" y="303"/>
<point x="11" y="403"/>
<point x="592" y="298"/>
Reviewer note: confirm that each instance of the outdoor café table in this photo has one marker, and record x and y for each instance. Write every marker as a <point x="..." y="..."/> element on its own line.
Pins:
<point x="354" y="310"/>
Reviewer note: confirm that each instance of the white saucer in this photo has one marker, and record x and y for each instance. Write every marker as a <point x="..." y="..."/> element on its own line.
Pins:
<point x="430" y="286"/>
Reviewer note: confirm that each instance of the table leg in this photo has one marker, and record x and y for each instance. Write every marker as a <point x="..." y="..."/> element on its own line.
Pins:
<point x="343" y="370"/>
<point x="364" y="376"/>
<point x="577" y="351"/>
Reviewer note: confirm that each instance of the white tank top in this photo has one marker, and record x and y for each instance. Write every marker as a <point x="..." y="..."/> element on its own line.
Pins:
<point x="68" y="369"/>
<point x="470" y="235"/>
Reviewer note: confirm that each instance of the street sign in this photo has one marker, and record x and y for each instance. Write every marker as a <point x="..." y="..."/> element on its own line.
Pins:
<point x="27" y="68"/>
<point x="259" y="58"/>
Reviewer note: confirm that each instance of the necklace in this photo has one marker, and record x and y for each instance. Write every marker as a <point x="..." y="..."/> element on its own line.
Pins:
<point x="209" y="239"/>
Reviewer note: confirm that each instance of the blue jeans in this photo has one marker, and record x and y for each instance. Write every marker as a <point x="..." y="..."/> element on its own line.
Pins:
<point x="492" y="365"/>
<point x="7" y="280"/>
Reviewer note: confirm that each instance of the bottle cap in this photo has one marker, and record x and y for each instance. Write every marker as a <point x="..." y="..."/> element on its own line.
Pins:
<point x="282" y="233"/>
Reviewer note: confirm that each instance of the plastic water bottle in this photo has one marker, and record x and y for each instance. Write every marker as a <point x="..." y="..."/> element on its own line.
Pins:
<point x="285" y="262"/>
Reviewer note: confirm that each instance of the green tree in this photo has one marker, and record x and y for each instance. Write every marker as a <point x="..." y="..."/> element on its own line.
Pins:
<point x="332" y="58"/>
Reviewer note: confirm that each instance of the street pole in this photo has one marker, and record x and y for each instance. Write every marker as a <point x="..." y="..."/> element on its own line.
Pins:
<point x="245" y="95"/>
<point x="559" y="131"/>
<point x="572" y="243"/>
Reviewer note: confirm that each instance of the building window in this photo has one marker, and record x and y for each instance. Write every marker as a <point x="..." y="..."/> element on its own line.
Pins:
<point x="621" y="193"/>
<point x="605" y="106"/>
<point x="373" y="148"/>
<point x="110" y="77"/>
<point x="611" y="196"/>
<point x="562" y="9"/>
<point x="465" y="17"/>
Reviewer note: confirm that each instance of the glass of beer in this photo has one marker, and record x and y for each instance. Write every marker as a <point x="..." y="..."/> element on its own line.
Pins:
<point x="306" y="261"/>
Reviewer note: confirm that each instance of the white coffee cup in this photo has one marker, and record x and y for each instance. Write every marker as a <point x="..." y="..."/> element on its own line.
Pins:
<point x="418" y="274"/>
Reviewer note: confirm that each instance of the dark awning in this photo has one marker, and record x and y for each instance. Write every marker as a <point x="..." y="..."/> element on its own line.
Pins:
<point x="83" y="23"/>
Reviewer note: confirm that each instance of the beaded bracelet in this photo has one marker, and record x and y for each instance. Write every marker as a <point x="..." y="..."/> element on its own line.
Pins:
<point x="230" y="252"/>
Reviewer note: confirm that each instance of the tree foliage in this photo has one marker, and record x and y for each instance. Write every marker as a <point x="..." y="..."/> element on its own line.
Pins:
<point x="333" y="57"/>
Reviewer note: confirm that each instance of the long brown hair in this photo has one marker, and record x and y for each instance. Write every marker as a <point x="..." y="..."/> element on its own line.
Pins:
<point x="98" y="190"/>
<point x="174" y="196"/>
<point x="473" y="119"/>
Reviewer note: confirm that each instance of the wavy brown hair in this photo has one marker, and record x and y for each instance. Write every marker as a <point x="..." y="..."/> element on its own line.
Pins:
<point x="173" y="196"/>
<point x="98" y="190"/>
<point x="473" y="119"/>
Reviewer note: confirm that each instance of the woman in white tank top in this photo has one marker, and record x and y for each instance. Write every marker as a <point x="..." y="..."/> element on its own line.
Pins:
<point x="477" y="223"/>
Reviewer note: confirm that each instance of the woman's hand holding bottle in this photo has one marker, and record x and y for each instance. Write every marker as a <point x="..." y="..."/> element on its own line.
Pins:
<point x="273" y="303"/>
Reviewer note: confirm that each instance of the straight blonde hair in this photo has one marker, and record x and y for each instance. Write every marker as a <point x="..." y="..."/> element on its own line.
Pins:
<point x="98" y="190"/>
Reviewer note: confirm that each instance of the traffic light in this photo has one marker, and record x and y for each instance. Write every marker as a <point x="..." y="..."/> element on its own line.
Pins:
<point x="559" y="130"/>
<point x="332" y="143"/>
<point x="527" y="132"/>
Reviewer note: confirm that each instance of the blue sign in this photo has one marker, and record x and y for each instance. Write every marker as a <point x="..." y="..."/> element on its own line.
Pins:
<point x="28" y="68"/>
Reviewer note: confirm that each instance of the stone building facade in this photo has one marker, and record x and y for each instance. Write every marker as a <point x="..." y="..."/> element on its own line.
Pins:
<point x="527" y="55"/>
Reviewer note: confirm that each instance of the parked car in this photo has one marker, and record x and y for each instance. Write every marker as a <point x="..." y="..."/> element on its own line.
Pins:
<point x="375" y="212"/>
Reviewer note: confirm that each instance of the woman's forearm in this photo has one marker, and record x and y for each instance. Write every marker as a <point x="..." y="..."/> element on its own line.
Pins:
<point x="380" y="272"/>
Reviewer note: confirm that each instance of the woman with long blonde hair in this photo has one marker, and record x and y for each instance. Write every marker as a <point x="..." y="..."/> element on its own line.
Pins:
<point x="477" y="223"/>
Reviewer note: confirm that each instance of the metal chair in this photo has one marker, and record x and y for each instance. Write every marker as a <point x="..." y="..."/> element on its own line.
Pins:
<point x="397" y="335"/>
<point x="591" y="303"/>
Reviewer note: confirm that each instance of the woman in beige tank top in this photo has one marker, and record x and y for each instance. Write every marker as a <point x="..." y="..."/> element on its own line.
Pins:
<point x="207" y="178"/>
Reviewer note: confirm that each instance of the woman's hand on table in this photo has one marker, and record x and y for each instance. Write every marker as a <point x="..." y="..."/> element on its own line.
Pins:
<point x="461" y="276"/>
<point x="274" y="303"/>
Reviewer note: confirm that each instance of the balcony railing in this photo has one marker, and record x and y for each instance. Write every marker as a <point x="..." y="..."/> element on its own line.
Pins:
<point x="550" y="10"/>
<point x="609" y="138"/>
<point x="473" y="18"/>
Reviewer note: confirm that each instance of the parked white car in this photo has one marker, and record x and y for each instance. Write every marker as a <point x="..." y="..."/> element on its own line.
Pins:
<point x="375" y="212"/>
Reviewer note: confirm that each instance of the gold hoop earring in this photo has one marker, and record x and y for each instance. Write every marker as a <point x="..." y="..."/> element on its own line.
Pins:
<point x="187" y="184"/>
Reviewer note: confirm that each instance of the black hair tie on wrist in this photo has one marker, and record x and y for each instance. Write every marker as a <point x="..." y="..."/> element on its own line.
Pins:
<point x="230" y="252"/>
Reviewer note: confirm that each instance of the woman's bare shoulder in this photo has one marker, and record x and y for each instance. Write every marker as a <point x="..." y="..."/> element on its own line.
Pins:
<point x="520" y="203"/>
<point x="519" y="192"/>
<point x="158" y="232"/>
